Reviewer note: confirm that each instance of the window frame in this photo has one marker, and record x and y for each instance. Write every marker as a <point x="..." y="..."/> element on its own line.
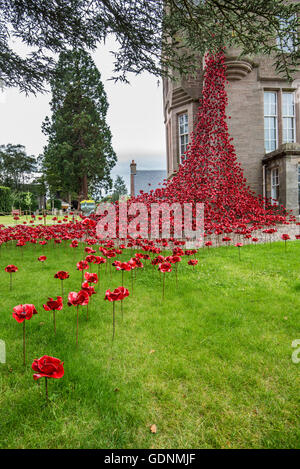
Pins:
<point x="275" y="185"/>
<point x="286" y="117"/>
<point x="180" y="135"/>
<point x="271" y="116"/>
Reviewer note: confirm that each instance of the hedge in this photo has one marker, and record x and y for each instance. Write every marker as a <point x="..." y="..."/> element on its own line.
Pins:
<point x="5" y="199"/>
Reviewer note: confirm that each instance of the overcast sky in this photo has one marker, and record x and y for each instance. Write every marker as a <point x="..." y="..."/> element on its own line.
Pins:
<point x="135" y="117"/>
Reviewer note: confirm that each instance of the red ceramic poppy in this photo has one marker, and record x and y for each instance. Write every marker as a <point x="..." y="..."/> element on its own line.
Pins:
<point x="48" y="367"/>
<point x="11" y="268"/>
<point x="78" y="299"/>
<point x="88" y="288"/>
<point x="193" y="262"/>
<point x="42" y="258"/>
<point x="122" y="266"/>
<point x="90" y="258"/>
<point x="22" y="312"/>
<point x="99" y="260"/>
<point x="82" y="265"/>
<point x="90" y="277"/>
<point x="117" y="295"/>
<point x="62" y="275"/>
<point x="54" y="305"/>
<point x="165" y="267"/>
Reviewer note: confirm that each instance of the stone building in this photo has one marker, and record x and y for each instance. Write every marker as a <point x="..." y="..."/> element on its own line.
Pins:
<point x="264" y="124"/>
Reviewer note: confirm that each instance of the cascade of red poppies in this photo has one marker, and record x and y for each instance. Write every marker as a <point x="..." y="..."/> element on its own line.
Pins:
<point x="210" y="172"/>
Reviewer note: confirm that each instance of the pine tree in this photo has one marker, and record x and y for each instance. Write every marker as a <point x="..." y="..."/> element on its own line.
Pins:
<point x="79" y="155"/>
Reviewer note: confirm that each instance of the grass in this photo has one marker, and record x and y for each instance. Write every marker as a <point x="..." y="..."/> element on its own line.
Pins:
<point x="210" y="366"/>
<point x="8" y="220"/>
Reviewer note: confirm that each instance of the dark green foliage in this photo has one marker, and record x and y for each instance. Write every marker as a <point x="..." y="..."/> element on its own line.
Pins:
<point x="256" y="26"/>
<point x="5" y="199"/>
<point x="16" y="167"/>
<point x="79" y="155"/>
<point x="57" y="204"/>
<point x="26" y="201"/>
<point x="146" y="32"/>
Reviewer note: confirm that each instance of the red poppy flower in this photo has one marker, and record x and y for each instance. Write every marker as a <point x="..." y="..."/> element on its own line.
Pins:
<point x="48" y="367"/>
<point x="42" y="258"/>
<point x="122" y="266"/>
<point x="62" y="275"/>
<point x="11" y="268"/>
<point x="89" y="250"/>
<point x="89" y="289"/>
<point x="117" y="295"/>
<point x="174" y="259"/>
<point x="99" y="260"/>
<point x="81" y="298"/>
<point x="158" y="260"/>
<point x="193" y="262"/>
<point x="285" y="237"/>
<point x="165" y="267"/>
<point x="137" y="262"/>
<point x="22" y="312"/>
<point x="110" y="254"/>
<point x="90" y="277"/>
<point x="90" y="258"/>
<point x="52" y="305"/>
<point x="82" y="265"/>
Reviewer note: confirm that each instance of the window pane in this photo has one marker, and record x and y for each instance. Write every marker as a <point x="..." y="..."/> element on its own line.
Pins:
<point x="288" y="35"/>
<point x="275" y="185"/>
<point x="183" y="133"/>
<point x="288" y="104"/>
<point x="270" y="111"/>
<point x="288" y="117"/>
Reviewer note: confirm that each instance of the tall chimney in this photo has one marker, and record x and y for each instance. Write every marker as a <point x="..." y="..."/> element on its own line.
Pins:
<point x="132" y="174"/>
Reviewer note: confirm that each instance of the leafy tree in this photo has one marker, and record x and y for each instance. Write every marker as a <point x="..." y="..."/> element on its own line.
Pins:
<point x="26" y="201"/>
<point x="16" y="166"/>
<point x="152" y="35"/>
<point x="119" y="188"/>
<point x="79" y="155"/>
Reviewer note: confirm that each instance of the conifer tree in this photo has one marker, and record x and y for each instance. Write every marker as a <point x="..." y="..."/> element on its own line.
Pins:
<point x="79" y="156"/>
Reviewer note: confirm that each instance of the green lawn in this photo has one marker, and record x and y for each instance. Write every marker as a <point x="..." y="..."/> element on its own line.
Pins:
<point x="8" y="220"/>
<point x="210" y="366"/>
